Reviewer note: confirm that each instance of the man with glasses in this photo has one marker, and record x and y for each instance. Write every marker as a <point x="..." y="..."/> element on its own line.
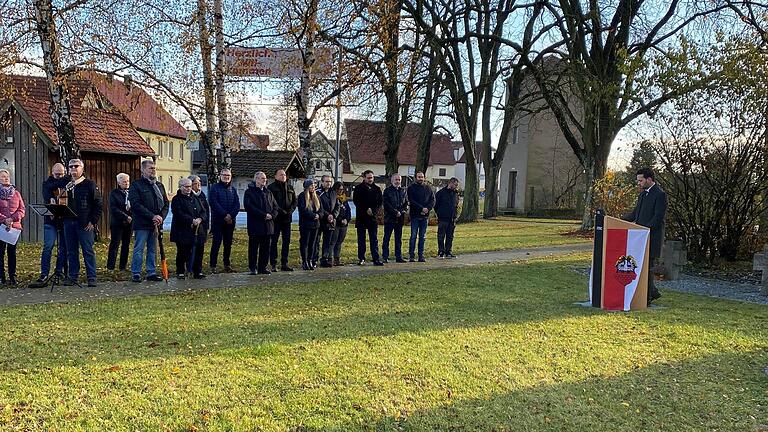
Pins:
<point x="149" y="207"/>
<point x="225" y="205"/>
<point x="367" y="199"/>
<point x="53" y="228"/>
<point x="84" y="199"/>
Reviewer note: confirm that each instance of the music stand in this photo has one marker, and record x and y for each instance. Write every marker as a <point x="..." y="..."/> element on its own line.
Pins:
<point x="54" y="211"/>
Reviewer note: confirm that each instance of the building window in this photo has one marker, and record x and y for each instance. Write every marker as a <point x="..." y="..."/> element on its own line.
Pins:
<point x="181" y="151"/>
<point x="160" y="149"/>
<point x="442" y="172"/>
<point x="160" y="179"/>
<point x="514" y="135"/>
<point x="328" y="165"/>
<point x="170" y="183"/>
<point x="317" y="164"/>
<point x="170" y="150"/>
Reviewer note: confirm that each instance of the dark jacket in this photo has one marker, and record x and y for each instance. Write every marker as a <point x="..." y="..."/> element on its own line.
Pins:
<point x="51" y="185"/>
<point x="446" y="204"/>
<point x="419" y="197"/>
<point x="285" y="197"/>
<point x="329" y="205"/>
<point x="86" y="202"/>
<point x="650" y="211"/>
<point x="185" y="209"/>
<point x="258" y="203"/>
<point x="366" y="197"/>
<point x="118" y="212"/>
<point x="145" y="204"/>
<point x="307" y="215"/>
<point x="223" y="201"/>
<point x="395" y="200"/>
<point x="206" y="211"/>
<point x="345" y="214"/>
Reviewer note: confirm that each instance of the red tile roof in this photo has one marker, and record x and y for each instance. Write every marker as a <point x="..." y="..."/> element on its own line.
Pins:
<point x="144" y="112"/>
<point x="96" y="130"/>
<point x="367" y="142"/>
<point x="255" y="142"/>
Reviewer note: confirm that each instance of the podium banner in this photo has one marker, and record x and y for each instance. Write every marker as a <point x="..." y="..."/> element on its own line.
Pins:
<point x="619" y="274"/>
<point x="623" y="262"/>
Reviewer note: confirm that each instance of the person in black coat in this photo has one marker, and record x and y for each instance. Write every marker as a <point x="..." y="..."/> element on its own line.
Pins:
<point x="309" y="223"/>
<point x="53" y="228"/>
<point x="149" y="207"/>
<point x="367" y="199"/>
<point x="650" y="211"/>
<point x="119" y="222"/>
<point x="262" y="210"/>
<point x="395" y="202"/>
<point x="343" y="220"/>
<point x="329" y="213"/>
<point x="285" y="197"/>
<point x="196" y="260"/>
<point x="84" y="199"/>
<point x="446" y="208"/>
<point x="188" y="218"/>
<point x="421" y="199"/>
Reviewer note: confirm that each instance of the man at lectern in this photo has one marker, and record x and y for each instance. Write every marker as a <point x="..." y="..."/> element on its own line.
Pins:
<point x="649" y="212"/>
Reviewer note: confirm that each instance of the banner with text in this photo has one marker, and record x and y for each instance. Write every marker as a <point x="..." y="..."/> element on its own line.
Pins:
<point x="274" y="62"/>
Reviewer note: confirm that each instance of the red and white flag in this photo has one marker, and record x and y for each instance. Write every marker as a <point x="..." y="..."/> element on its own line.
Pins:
<point x="622" y="263"/>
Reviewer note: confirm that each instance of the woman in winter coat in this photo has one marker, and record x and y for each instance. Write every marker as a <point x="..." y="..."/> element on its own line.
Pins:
<point x="345" y="217"/>
<point x="309" y="224"/>
<point x="11" y="212"/>
<point x="188" y="219"/>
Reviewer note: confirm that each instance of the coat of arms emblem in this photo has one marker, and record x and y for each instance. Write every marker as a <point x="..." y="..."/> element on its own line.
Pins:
<point x="625" y="269"/>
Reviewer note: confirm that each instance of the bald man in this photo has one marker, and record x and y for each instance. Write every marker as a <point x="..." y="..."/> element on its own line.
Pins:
<point x="52" y="229"/>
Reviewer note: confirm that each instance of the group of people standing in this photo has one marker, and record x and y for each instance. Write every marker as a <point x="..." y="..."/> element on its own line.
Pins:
<point x="138" y="210"/>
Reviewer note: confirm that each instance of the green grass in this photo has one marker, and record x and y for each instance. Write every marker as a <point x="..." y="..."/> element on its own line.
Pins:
<point x="503" y="233"/>
<point x="497" y="348"/>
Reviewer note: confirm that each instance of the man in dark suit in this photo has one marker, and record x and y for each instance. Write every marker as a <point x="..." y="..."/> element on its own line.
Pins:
<point x="649" y="212"/>
<point x="367" y="199"/>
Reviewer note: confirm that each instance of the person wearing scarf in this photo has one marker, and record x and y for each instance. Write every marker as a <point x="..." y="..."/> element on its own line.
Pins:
<point x="149" y="207"/>
<point x="196" y="261"/>
<point x="84" y="199"/>
<point x="12" y="212"/>
<point x="345" y="216"/>
<point x="188" y="217"/>
<point x="119" y="222"/>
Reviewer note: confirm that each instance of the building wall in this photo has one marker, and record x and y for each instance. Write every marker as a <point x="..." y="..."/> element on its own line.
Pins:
<point x="515" y="161"/>
<point x="174" y="159"/>
<point x="433" y="171"/>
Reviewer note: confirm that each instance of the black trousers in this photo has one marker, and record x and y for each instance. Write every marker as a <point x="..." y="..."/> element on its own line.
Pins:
<point x="258" y="251"/>
<point x="223" y="232"/>
<point x="307" y="243"/>
<point x="184" y="258"/>
<point x="120" y="239"/>
<point x="388" y="230"/>
<point x="284" y="229"/>
<point x="652" y="290"/>
<point x="11" y="260"/>
<point x="445" y="237"/>
<point x="373" y="232"/>
<point x="329" y="239"/>
<point x="338" y="241"/>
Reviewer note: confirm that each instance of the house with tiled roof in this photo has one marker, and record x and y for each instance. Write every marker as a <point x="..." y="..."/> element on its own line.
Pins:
<point x="246" y="162"/>
<point x="157" y="127"/>
<point x="365" y="143"/>
<point x="323" y="156"/>
<point x="108" y="141"/>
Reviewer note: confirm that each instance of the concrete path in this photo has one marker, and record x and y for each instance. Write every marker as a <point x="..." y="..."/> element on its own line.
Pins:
<point x="22" y="296"/>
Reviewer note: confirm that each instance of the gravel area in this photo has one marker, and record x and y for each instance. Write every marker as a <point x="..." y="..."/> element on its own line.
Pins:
<point x="746" y="292"/>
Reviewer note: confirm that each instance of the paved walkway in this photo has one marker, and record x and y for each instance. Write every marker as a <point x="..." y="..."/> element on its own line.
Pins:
<point x="21" y="296"/>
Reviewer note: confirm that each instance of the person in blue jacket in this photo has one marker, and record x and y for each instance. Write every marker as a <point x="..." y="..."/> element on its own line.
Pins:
<point x="225" y="205"/>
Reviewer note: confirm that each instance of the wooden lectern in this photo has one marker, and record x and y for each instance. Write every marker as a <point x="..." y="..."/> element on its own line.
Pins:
<point x="619" y="277"/>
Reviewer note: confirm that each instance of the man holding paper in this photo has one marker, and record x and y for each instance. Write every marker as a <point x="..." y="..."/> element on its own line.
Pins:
<point x="11" y="214"/>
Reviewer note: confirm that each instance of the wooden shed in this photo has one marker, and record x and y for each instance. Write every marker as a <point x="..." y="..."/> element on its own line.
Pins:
<point x="109" y="144"/>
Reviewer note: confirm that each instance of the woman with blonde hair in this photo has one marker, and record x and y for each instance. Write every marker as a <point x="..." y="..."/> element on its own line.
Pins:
<point x="309" y="224"/>
<point x="11" y="213"/>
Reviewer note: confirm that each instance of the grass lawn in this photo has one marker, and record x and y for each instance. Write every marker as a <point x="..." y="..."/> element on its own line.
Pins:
<point x="497" y="348"/>
<point x="504" y="233"/>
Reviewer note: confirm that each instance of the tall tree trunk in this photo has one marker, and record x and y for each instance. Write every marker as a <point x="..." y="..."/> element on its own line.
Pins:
<point x="209" y="136"/>
<point x="221" y="95"/>
<point x="471" y="204"/>
<point x="61" y="111"/>
<point x="491" y="205"/>
<point x="393" y="135"/>
<point x="302" y="96"/>
<point x="428" y="115"/>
